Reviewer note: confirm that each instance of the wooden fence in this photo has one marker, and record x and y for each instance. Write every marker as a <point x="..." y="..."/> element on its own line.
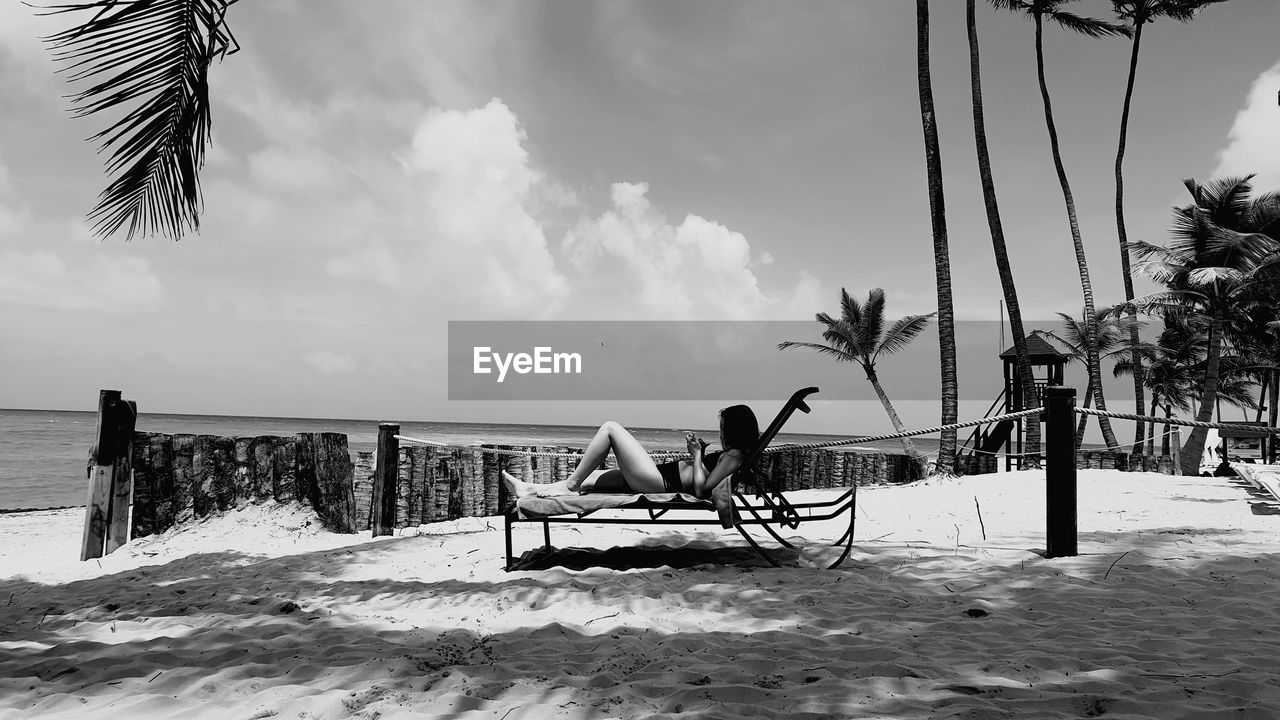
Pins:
<point x="181" y="477"/>
<point x="146" y="482"/>
<point x="434" y="484"/>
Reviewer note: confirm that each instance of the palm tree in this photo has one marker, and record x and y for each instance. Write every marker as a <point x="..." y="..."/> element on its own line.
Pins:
<point x="1037" y="11"/>
<point x="941" y="253"/>
<point x="1136" y="13"/>
<point x="149" y="59"/>
<point x="1221" y="244"/>
<point x="999" y="249"/>
<point x="859" y="336"/>
<point x="1107" y="335"/>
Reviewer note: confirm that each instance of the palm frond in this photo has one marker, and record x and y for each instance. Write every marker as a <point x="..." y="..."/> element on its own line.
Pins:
<point x="834" y="352"/>
<point x="1018" y="6"/>
<point x="850" y="308"/>
<point x="872" y="325"/>
<point x="1089" y="27"/>
<point x="1227" y="198"/>
<point x="901" y="332"/>
<point x="148" y="59"/>
<point x="1206" y="276"/>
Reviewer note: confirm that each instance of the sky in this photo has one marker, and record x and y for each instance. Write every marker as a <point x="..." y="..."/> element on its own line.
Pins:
<point x="380" y="170"/>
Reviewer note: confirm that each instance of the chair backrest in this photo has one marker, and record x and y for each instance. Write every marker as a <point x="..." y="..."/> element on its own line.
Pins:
<point x="795" y="402"/>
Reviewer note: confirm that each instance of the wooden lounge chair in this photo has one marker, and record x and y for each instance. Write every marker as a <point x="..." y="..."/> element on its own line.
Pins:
<point x="728" y="506"/>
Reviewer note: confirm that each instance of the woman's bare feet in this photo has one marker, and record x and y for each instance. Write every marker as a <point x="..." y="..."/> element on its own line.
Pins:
<point x="521" y="489"/>
<point x="517" y="487"/>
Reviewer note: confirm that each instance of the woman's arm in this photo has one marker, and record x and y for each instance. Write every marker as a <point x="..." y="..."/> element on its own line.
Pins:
<point x="704" y="483"/>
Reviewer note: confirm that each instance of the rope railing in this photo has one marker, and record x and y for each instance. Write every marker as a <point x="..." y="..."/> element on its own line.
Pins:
<point x="1184" y="423"/>
<point x="676" y="455"/>
<point x="905" y="433"/>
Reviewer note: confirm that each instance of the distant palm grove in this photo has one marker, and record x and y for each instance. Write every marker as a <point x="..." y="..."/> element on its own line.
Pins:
<point x="1212" y="333"/>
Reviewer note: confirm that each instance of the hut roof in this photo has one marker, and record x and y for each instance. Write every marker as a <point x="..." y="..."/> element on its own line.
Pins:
<point x="1039" y="350"/>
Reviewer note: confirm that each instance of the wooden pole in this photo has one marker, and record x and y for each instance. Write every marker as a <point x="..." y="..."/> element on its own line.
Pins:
<point x="1060" y="471"/>
<point x="1175" y="447"/>
<point x="122" y="476"/>
<point x="386" y="473"/>
<point x="1273" y="415"/>
<point x="102" y="458"/>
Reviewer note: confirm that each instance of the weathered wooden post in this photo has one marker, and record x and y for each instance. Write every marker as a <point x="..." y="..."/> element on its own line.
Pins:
<point x="1175" y="447"/>
<point x="106" y="520"/>
<point x="1060" y="471"/>
<point x="386" y="474"/>
<point x="122" y="476"/>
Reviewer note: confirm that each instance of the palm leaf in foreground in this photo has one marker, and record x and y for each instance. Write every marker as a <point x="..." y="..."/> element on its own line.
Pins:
<point x="148" y="59"/>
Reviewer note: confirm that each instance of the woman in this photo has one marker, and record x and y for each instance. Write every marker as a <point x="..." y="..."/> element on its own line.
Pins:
<point x="638" y="473"/>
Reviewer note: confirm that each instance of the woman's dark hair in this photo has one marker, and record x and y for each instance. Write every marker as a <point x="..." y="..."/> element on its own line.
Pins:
<point x="741" y="431"/>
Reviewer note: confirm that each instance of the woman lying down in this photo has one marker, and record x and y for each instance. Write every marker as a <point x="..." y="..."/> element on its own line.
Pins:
<point x="638" y="473"/>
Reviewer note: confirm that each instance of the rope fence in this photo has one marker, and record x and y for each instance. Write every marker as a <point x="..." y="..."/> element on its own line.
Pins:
<point x="1184" y="423"/>
<point x="790" y="447"/>
<point x="676" y="455"/>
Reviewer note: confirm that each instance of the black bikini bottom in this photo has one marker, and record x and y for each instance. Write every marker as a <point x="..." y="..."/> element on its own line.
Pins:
<point x="671" y="476"/>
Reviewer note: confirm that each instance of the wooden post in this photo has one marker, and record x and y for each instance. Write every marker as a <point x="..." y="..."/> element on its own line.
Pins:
<point x="122" y="476"/>
<point x="333" y="499"/>
<point x="1060" y="471"/>
<point x="1175" y="447"/>
<point x="362" y="488"/>
<point x="386" y="473"/>
<point x="183" y="477"/>
<point x="404" y="487"/>
<point x="102" y="458"/>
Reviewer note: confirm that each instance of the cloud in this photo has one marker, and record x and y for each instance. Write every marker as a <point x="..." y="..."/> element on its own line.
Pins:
<point x="300" y="171"/>
<point x="461" y="219"/>
<point x="1254" y="139"/>
<point x="330" y="363"/>
<point x="643" y="266"/>
<point x="465" y="224"/>
<point x="102" y="283"/>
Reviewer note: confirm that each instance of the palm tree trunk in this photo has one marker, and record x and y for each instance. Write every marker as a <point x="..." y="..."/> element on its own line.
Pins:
<point x="907" y="445"/>
<point x="941" y="254"/>
<point x="1000" y="250"/>
<point x="1084" y="419"/>
<point x="1125" y="270"/>
<point x="1086" y="286"/>
<point x="1193" y="449"/>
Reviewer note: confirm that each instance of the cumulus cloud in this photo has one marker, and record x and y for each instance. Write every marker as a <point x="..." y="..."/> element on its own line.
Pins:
<point x="1254" y="139"/>
<point x="644" y="266"/>
<point x="466" y="226"/>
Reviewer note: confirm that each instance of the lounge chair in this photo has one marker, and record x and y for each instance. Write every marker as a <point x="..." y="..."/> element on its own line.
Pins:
<point x="1263" y="477"/>
<point x="728" y="503"/>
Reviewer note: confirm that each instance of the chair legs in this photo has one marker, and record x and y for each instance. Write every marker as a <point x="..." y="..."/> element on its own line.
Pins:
<point x="847" y="538"/>
<point x="756" y="546"/>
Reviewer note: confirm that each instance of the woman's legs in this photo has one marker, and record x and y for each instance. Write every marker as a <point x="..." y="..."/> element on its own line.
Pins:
<point x="636" y="471"/>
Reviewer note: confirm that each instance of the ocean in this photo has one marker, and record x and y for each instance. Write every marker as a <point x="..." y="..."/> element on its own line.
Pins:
<point x="43" y="452"/>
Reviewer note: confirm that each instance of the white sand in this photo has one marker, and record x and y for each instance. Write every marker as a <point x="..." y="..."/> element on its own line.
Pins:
<point x="1170" y="611"/>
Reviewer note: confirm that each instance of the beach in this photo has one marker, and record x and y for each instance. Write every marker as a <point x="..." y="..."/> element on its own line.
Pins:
<point x="944" y="611"/>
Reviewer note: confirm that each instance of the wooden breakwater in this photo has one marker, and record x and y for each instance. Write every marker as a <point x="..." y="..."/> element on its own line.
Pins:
<point x="142" y="483"/>
<point x="434" y="484"/>
<point x="180" y="477"/>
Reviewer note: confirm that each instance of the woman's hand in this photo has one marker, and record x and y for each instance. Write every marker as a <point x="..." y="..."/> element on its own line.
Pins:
<point x="694" y="443"/>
